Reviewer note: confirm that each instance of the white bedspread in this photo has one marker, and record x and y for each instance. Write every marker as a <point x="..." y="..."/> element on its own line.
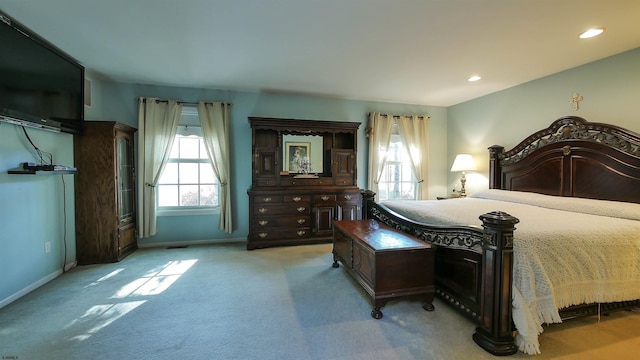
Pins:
<point x="597" y="261"/>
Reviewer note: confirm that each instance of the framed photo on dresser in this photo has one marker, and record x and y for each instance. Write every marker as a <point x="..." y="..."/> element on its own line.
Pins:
<point x="296" y="153"/>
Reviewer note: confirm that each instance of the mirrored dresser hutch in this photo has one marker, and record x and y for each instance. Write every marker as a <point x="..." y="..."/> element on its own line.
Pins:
<point x="304" y="176"/>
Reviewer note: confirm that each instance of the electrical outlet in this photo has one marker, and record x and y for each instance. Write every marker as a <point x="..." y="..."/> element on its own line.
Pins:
<point x="47" y="246"/>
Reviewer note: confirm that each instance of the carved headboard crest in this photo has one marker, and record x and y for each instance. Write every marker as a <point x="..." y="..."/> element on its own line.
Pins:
<point x="574" y="128"/>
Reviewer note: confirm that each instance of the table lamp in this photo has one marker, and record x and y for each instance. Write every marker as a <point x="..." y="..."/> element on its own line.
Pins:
<point x="463" y="162"/>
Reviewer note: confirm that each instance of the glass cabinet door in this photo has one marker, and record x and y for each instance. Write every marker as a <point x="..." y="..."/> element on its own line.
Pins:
<point x="125" y="178"/>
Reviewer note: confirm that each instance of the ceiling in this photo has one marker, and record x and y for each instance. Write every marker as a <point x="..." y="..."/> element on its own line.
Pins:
<point x="402" y="51"/>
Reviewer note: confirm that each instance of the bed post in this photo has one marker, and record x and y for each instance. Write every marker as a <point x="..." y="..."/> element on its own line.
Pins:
<point x="368" y="197"/>
<point x="495" y="331"/>
<point x="495" y="172"/>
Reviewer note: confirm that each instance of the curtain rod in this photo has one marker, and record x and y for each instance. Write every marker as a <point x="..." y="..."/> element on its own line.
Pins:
<point x="181" y="102"/>
<point x="398" y="116"/>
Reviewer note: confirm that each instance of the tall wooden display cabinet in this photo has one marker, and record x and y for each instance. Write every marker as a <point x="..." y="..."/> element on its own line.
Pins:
<point x="105" y="192"/>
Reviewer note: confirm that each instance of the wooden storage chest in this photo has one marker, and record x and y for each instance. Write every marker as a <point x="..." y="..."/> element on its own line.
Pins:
<point x="387" y="263"/>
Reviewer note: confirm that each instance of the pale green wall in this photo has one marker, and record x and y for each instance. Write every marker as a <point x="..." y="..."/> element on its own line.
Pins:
<point x="116" y="101"/>
<point x="611" y="91"/>
<point x="33" y="209"/>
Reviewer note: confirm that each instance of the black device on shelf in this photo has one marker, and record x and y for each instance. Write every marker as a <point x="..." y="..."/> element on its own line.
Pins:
<point x="41" y="86"/>
<point x="36" y="167"/>
<point x="29" y="168"/>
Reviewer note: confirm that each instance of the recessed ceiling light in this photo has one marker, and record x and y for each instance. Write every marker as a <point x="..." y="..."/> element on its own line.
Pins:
<point x="591" y="33"/>
<point x="474" y="78"/>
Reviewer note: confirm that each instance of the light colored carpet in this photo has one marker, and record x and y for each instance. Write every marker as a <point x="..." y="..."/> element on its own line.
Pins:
<point x="223" y="302"/>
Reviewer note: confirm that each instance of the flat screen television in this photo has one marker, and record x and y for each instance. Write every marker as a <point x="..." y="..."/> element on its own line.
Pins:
<point x="40" y="85"/>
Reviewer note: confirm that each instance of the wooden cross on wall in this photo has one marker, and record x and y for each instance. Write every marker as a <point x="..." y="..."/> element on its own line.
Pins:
<point x="575" y="100"/>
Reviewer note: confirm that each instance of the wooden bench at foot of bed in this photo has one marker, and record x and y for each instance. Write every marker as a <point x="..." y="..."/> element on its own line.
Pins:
<point x="387" y="263"/>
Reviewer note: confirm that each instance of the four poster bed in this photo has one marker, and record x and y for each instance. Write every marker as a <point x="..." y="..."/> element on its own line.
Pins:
<point x="556" y="236"/>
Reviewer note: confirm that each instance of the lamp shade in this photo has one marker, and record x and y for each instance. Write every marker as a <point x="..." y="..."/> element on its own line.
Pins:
<point x="463" y="162"/>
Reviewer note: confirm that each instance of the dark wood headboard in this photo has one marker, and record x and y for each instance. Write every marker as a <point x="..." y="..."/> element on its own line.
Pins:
<point x="574" y="158"/>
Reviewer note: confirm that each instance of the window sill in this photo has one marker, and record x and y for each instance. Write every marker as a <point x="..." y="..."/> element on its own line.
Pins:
<point x="188" y="212"/>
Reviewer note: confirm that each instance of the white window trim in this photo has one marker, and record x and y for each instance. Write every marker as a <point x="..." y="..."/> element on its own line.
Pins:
<point x="186" y="211"/>
<point x="189" y="125"/>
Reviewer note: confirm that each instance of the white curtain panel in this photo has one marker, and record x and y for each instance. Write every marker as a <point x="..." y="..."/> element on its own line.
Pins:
<point x="214" y="119"/>
<point x="379" y="132"/>
<point x="157" y="127"/>
<point x="414" y="131"/>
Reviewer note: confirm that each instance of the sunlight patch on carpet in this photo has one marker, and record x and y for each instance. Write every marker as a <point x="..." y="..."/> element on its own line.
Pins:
<point x="101" y="316"/>
<point x="106" y="277"/>
<point x="155" y="283"/>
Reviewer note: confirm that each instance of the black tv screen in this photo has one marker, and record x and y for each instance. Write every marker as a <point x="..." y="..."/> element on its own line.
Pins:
<point x="40" y="85"/>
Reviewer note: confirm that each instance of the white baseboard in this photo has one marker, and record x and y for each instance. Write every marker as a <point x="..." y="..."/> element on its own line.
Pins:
<point x="29" y="288"/>
<point x="6" y="301"/>
<point x="190" y="242"/>
<point x="71" y="265"/>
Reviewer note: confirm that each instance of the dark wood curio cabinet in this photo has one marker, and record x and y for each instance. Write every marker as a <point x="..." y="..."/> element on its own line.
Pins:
<point x="105" y="192"/>
<point x="291" y="206"/>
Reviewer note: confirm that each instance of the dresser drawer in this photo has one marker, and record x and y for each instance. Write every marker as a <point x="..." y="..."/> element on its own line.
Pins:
<point x="354" y="197"/>
<point x="282" y="209"/>
<point x="302" y="199"/>
<point x="293" y="182"/>
<point x="332" y="198"/>
<point x="266" y="199"/>
<point x="267" y="182"/>
<point x="281" y="222"/>
<point x="321" y="181"/>
<point x="325" y="198"/>
<point x="279" y="234"/>
<point x="344" y="181"/>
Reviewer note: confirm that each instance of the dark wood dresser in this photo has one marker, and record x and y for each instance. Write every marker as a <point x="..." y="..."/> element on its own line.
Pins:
<point x="387" y="263"/>
<point x="290" y="207"/>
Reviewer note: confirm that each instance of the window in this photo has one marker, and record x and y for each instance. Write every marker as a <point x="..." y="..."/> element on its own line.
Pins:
<point x="398" y="180"/>
<point x="187" y="183"/>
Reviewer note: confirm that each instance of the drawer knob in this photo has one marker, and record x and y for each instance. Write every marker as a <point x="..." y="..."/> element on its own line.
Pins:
<point x="301" y="221"/>
<point x="262" y="210"/>
<point x="297" y="198"/>
<point x="263" y="222"/>
<point x="301" y="232"/>
<point x="301" y="209"/>
<point x="267" y="199"/>
<point x="263" y="235"/>
<point x="325" y="198"/>
<point x="347" y="197"/>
